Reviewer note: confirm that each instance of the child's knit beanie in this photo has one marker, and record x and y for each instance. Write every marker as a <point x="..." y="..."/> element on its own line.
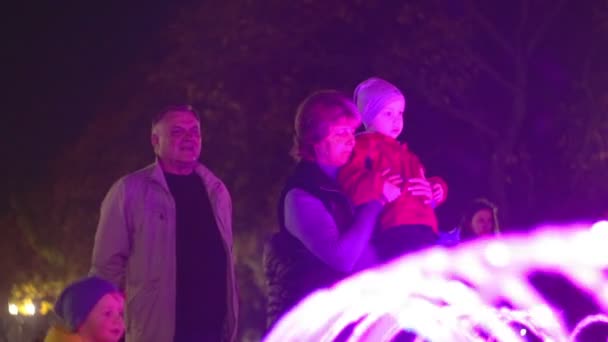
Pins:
<point x="372" y="95"/>
<point x="78" y="299"/>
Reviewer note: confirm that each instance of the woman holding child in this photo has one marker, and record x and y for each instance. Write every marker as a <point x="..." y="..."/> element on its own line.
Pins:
<point x="323" y="237"/>
<point x="334" y="200"/>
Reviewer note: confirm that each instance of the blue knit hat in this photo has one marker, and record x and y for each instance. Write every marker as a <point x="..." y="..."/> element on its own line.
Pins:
<point x="78" y="299"/>
<point x="372" y="95"/>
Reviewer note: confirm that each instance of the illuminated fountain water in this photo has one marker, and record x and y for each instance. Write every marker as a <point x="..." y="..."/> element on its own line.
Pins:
<point x="479" y="291"/>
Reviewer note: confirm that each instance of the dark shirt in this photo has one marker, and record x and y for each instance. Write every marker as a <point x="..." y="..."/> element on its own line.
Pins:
<point x="201" y="293"/>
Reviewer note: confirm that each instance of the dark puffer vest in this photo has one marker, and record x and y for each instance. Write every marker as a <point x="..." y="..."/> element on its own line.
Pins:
<point x="292" y="271"/>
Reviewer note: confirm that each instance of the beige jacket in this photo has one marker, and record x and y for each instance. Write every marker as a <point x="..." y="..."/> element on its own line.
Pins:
<point x="135" y="249"/>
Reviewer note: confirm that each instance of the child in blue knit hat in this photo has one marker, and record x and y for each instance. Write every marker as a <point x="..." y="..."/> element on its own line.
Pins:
<point x="90" y="310"/>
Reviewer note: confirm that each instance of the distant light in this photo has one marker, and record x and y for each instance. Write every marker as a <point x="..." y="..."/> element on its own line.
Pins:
<point x="29" y="309"/>
<point x="13" y="309"/>
<point x="45" y="307"/>
<point x="523" y="332"/>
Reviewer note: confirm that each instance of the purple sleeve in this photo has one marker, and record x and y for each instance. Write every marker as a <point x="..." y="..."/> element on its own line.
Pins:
<point x="308" y="220"/>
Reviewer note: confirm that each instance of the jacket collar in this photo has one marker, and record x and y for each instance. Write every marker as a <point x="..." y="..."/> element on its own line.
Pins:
<point x="60" y="334"/>
<point x="381" y="137"/>
<point x="211" y="182"/>
<point x="157" y="175"/>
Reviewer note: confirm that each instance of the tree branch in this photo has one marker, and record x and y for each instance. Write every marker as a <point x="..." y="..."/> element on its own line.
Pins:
<point x="542" y="28"/>
<point x="524" y="18"/>
<point x="519" y="110"/>
<point x="593" y="120"/>
<point x="590" y="125"/>
<point x="490" y="28"/>
<point x="493" y="72"/>
<point x="587" y="74"/>
<point x="465" y="117"/>
<point x="479" y="126"/>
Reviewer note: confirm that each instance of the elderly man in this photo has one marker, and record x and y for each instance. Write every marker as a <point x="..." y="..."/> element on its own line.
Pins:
<point x="165" y="237"/>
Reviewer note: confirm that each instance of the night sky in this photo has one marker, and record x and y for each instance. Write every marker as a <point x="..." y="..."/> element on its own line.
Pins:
<point x="62" y="58"/>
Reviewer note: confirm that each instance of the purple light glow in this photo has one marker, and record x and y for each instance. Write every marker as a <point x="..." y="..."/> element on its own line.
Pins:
<point x="419" y="292"/>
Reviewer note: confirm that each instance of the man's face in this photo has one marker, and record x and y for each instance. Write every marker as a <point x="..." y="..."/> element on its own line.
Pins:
<point x="177" y="138"/>
<point x="105" y="322"/>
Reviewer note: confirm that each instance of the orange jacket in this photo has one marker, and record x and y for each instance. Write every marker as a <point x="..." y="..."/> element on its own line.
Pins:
<point x="362" y="180"/>
<point x="60" y="334"/>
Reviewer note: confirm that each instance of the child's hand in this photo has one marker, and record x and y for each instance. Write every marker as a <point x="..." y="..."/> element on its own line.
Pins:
<point x="438" y="192"/>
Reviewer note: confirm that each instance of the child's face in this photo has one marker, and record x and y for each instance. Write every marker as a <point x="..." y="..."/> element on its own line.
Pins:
<point x="105" y="322"/>
<point x="390" y="119"/>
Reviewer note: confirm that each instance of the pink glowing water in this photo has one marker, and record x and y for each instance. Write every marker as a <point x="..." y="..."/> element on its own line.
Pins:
<point x="426" y="292"/>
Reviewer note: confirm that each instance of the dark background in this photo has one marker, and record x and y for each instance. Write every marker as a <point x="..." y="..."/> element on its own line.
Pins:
<point x="506" y="100"/>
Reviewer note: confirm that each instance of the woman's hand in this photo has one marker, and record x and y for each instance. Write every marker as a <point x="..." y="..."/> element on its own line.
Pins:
<point x="392" y="186"/>
<point x="421" y="187"/>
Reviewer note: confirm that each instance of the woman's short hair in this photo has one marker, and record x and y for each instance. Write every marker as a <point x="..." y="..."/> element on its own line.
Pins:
<point x="314" y="117"/>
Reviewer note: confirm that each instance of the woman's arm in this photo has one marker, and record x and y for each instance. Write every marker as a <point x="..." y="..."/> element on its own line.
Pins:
<point x="308" y="220"/>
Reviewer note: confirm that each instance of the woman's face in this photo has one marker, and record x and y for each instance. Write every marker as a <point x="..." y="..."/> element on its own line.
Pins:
<point x="483" y="222"/>
<point x="335" y="149"/>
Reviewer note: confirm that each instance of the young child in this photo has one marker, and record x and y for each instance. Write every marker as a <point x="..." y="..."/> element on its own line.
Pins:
<point x="408" y="223"/>
<point x="90" y="310"/>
